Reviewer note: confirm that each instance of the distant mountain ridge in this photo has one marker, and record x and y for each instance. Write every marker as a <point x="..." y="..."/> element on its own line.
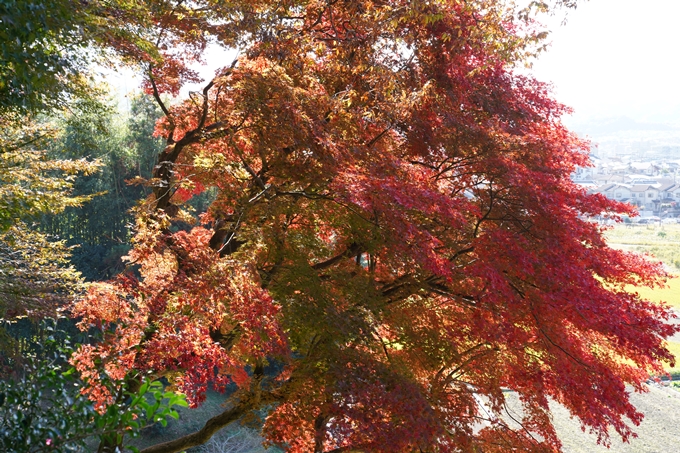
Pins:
<point x="605" y="126"/>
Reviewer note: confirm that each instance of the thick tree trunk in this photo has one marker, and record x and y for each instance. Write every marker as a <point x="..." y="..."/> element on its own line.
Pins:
<point x="319" y="433"/>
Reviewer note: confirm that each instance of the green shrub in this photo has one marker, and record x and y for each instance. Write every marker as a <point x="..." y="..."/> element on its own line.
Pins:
<point x="42" y="409"/>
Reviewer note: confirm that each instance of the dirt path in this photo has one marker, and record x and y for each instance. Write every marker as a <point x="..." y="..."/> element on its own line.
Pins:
<point x="658" y="433"/>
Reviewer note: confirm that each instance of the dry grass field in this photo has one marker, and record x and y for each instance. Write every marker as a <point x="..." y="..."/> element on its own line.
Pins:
<point x="661" y="242"/>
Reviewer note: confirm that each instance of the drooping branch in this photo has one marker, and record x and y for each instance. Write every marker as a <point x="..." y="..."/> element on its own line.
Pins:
<point x="30" y="141"/>
<point x="204" y="434"/>
<point x="373" y="141"/>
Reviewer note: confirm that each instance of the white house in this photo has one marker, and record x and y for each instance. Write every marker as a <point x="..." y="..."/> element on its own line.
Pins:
<point x="620" y="192"/>
<point x="645" y="196"/>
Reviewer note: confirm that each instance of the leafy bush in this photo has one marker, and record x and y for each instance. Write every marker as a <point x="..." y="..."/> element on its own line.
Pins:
<point x="42" y="409"/>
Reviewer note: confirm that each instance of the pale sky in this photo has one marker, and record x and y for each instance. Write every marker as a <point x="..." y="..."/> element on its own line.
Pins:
<point x="616" y="58"/>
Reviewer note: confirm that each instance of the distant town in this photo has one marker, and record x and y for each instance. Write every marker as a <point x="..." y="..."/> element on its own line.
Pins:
<point x="636" y="163"/>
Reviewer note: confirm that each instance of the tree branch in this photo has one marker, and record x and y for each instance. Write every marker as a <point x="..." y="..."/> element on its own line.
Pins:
<point x="204" y="113"/>
<point x="161" y="104"/>
<point x="352" y="250"/>
<point x="26" y="143"/>
<point x="378" y="137"/>
<point x="204" y="434"/>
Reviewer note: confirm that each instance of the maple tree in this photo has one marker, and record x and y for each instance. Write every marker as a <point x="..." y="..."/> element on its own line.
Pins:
<point x="392" y="220"/>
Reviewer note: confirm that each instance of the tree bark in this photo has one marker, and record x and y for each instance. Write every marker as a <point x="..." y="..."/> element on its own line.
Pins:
<point x="204" y="434"/>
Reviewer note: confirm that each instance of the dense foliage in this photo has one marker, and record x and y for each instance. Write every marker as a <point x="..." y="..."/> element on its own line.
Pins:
<point x="391" y="217"/>
<point x="47" y="48"/>
<point x="40" y="53"/>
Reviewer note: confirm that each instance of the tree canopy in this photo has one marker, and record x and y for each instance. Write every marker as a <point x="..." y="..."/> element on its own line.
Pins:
<point x="48" y="48"/>
<point x="391" y="220"/>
